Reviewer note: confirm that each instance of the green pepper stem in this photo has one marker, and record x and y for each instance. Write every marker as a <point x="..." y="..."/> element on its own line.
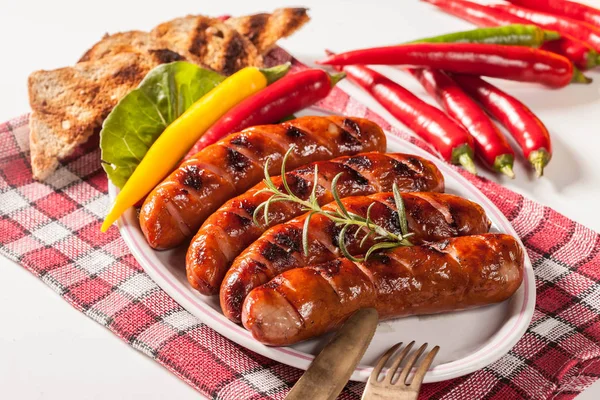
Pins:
<point x="539" y="159"/>
<point x="466" y="161"/>
<point x="335" y="78"/>
<point x="579" y="77"/>
<point x="592" y="59"/>
<point x="463" y="155"/>
<point x="504" y="164"/>
<point x="551" y="35"/>
<point x="274" y="73"/>
<point x="508" y="171"/>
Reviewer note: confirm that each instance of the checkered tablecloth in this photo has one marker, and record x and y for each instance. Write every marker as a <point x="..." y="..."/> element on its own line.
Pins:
<point x="53" y="230"/>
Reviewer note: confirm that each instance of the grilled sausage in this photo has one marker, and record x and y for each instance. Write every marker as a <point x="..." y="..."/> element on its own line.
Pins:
<point x="450" y="275"/>
<point x="230" y="230"/>
<point x="176" y="208"/>
<point x="430" y="217"/>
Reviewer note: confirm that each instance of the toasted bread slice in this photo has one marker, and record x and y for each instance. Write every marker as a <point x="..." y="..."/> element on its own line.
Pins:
<point x="69" y="104"/>
<point x="122" y="42"/>
<point x="264" y="30"/>
<point x="208" y="41"/>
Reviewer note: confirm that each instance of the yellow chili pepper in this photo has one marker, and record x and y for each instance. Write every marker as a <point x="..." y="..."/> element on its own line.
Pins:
<point x="179" y="137"/>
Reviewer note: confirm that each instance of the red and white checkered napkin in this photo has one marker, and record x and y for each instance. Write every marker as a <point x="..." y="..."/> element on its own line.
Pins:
<point x="53" y="230"/>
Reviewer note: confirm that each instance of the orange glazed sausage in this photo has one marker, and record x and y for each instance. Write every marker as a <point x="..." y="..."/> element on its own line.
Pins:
<point x="176" y="208"/>
<point x="227" y="232"/>
<point x="453" y="274"/>
<point x="430" y="217"/>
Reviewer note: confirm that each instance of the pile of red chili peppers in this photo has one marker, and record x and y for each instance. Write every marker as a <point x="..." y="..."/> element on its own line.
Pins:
<point x="541" y="41"/>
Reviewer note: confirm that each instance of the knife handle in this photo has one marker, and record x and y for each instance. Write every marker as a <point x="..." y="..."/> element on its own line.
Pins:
<point x="331" y="369"/>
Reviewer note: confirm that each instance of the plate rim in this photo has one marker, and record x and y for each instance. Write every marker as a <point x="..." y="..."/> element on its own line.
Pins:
<point x="492" y="351"/>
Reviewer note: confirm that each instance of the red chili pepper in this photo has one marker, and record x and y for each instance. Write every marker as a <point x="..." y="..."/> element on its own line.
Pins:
<point x="477" y="14"/>
<point x="284" y="97"/>
<point x="508" y="62"/>
<point x="224" y="17"/>
<point x="566" y="8"/>
<point x="580" y="30"/>
<point x="580" y="53"/>
<point x="517" y="118"/>
<point x="490" y="144"/>
<point x="450" y="139"/>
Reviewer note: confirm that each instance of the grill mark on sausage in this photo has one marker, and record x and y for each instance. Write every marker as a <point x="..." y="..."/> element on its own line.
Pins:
<point x="299" y="186"/>
<point x="356" y="176"/>
<point x="241" y="140"/>
<point x="335" y="235"/>
<point x="248" y="206"/>
<point x="193" y="178"/>
<point x="242" y="221"/>
<point x="323" y="238"/>
<point x="349" y="141"/>
<point x="370" y="179"/>
<point x="236" y="160"/>
<point x="361" y="161"/>
<point x="353" y="126"/>
<point x="294" y="132"/>
<point x="291" y="239"/>
<point x="416" y="164"/>
<point x="441" y="207"/>
<point x="402" y="168"/>
<point x="274" y="254"/>
<point x="350" y="134"/>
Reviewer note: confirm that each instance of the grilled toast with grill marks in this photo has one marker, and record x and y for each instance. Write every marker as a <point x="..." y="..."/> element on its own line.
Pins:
<point x="69" y="104"/>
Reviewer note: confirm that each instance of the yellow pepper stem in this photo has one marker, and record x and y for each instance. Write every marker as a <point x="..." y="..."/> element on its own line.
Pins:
<point x="179" y="137"/>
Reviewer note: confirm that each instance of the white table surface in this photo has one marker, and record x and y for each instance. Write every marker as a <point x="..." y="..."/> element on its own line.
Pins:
<point x="48" y="350"/>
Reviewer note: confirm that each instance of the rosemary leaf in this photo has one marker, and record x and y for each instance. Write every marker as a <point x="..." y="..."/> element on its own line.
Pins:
<point x="257" y="212"/>
<point x="336" y="196"/>
<point x="313" y="193"/>
<point x="362" y="242"/>
<point x="358" y="230"/>
<point x="283" y="177"/>
<point x="400" y="209"/>
<point x="381" y="246"/>
<point x="369" y="221"/>
<point x="305" y="232"/>
<point x="268" y="181"/>
<point x="342" y="245"/>
<point x="340" y="216"/>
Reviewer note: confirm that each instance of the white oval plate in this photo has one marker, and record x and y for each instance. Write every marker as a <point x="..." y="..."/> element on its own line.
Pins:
<point x="469" y="340"/>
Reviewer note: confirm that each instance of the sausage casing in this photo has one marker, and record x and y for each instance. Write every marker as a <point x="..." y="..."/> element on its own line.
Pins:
<point x="430" y="217"/>
<point x="453" y="274"/>
<point x="176" y="208"/>
<point x="226" y="233"/>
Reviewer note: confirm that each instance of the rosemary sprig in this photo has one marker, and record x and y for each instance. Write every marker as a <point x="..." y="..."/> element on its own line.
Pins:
<point x="341" y="217"/>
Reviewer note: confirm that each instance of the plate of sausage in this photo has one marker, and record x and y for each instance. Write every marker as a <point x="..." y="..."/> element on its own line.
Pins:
<point x="278" y="283"/>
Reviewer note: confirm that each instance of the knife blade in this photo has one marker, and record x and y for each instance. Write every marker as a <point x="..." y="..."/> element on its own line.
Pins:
<point x="331" y="369"/>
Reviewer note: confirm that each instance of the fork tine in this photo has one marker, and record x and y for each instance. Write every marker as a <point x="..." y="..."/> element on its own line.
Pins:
<point x="381" y="363"/>
<point x="397" y="360"/>
<point x="410" y="363"/>
<point x="423" y="367"/>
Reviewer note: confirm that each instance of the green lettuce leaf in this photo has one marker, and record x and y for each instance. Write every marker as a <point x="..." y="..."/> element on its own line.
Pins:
<point x="144" y="113"/>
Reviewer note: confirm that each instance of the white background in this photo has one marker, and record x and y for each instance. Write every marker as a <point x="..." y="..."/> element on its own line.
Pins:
<point x="49" y="350"/>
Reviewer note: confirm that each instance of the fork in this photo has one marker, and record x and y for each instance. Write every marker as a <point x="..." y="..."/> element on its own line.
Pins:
<point x="399" y="389"/>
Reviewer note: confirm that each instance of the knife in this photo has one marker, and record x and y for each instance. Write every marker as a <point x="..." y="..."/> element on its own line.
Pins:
<point x="331" y="369"/>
